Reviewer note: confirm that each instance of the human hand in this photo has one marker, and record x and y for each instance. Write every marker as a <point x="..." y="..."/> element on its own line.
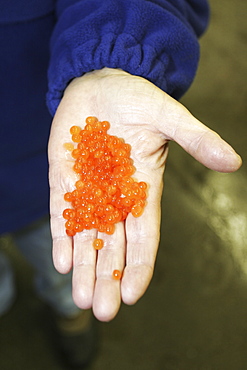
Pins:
<point x="147" y="119"/>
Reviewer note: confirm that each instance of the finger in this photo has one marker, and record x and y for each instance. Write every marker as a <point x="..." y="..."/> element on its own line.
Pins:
<point x="143" y="234"/>
<point x="198" y="140"/>
<point x="84" y="262"/>
<point x="62" y="243"/>
<point x="107" y="297"/>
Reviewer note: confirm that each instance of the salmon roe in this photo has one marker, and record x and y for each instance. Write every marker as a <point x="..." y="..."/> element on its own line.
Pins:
<point x="105" y="192"/>
<point x="117" y="275"/>
<point x="98" y="244"/>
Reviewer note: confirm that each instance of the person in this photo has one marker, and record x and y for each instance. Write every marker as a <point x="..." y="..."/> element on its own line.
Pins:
<point x="125" y="61"/>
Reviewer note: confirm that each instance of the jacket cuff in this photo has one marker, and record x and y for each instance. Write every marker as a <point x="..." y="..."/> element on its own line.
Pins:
<point x="141" y="37"/>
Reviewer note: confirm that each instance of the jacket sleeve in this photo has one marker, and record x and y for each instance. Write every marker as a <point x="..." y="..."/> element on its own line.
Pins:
<point x="157" y="40"/>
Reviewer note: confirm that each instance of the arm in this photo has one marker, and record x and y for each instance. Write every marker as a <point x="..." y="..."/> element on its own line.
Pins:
<point x="154" y="40"/>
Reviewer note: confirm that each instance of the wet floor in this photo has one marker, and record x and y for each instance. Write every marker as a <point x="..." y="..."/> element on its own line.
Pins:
<point x="194" y="314"/>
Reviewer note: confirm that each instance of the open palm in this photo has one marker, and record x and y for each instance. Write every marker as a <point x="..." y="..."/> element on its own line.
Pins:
<point x="147" y="119"/>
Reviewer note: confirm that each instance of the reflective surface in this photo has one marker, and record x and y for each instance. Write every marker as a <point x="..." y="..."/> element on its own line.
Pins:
<point x="194" y="315"/>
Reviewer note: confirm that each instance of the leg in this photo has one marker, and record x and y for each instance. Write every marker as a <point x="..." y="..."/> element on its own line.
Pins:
<point x="74" y="328"/>
<point x="7" y="287"/>
<point x="35" y="244"/>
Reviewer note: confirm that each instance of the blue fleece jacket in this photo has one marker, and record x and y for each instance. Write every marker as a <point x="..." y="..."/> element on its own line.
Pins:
<point x="153" y="39"/>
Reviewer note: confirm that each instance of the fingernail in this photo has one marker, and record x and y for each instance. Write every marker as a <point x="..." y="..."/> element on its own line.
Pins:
<point x="235" y="160"/>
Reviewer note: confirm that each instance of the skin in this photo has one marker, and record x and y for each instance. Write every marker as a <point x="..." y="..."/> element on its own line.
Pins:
<point x="147" y="119"/>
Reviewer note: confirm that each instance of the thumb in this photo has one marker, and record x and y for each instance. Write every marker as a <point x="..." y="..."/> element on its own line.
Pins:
<point x="198" y="140"/>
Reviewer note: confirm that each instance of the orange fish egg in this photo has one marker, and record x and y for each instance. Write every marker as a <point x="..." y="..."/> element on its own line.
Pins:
<point x="98" y="244"/>
<point x="68" y="146"/>
<point x="105" y="192"/>
<point x="117" y="275"/>
<point x="74" y="130"/>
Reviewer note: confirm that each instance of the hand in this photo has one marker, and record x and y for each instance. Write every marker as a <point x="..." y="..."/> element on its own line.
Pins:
<point x="147" y="119"/>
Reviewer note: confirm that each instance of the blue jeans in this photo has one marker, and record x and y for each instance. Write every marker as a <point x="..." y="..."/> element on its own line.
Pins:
<point x="35" y="244"/>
